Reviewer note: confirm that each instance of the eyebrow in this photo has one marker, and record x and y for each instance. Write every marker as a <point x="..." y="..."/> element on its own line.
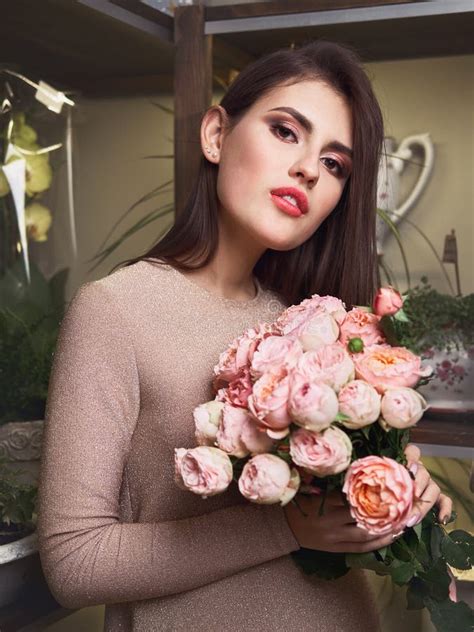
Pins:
<point x="308" y="126"/>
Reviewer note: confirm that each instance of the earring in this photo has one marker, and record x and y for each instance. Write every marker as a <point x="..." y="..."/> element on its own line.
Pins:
<point x="208" y="149"/>
<point x="214" y="154"/>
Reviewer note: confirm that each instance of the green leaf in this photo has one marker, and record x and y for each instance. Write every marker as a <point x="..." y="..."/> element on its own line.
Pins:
<point x="456" y="554"/>
<point x="401" y="551"/>
<point x="403" y="573"/>
<point x="321" y="563"/>
<point x="436" y="580"/>
<point x="417" y="529"/>
<point x="448" y="616"/>
<point x="368" y="561"/>
<point x="437" y="535"/>
<point x="341" y="417"/>
<point x="401" y="316"/>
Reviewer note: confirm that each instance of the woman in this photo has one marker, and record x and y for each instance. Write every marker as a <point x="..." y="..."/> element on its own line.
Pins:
<point x="283" y="207"/>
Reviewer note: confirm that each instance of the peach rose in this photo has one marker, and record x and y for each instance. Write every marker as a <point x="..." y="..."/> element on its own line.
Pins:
<point x="384" y="366"/>
<point x="402" y="407"/>
<point x="380" y="492"/>
<point x="240" y="352"/>
<point x="266" y="479"/>
<point x="312" y="405"/>
<point x="203" y="470"/>
<point x="274" y="352"/>
<point x="330" y="364"/>
<point x="269" y="401"/>
<point x="206" y="421"/>
<point x="321" y="453"/>
<point x="360" y="402"/>
<point x="360" y="323"/>
<point x="239" y="389"/>
<point x="387" y="301"/>
<point x="239" y="435"/>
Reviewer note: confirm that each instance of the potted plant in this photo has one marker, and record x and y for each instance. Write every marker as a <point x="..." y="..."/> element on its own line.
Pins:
<point x="17" y="533"/>
<point x="440" y="327"/>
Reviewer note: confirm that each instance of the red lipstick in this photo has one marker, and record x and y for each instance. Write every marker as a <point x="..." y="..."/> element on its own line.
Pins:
<point x="296" y="207"/>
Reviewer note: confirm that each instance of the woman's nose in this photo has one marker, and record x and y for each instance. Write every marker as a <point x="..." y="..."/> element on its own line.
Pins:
<point x="306" y="169"/>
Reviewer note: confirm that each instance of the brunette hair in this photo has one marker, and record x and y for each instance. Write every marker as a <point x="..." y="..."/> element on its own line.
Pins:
<point x="340" y="257"/>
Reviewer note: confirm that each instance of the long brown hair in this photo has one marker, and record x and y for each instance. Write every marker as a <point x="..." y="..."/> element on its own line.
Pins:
<point x="340" y="257"/>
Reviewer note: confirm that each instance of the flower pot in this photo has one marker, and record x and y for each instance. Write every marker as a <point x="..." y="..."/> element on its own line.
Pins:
<point x="451" y="389"/>
<point x="20" y="446"/>
<point x="17" y="566"/>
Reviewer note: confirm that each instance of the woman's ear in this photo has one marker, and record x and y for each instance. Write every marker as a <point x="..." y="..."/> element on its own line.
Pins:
<point x="212" y="132"/>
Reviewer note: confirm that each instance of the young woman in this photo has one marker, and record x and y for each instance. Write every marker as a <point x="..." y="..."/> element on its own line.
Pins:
<point x="283" y="207"/>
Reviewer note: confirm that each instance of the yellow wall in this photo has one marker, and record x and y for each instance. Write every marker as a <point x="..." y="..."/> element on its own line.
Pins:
<point x="437" y="96"/>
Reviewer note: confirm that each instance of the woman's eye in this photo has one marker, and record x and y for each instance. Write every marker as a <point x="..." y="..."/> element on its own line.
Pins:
<point x="334" y="166"/>
<point x="283" y="132"/>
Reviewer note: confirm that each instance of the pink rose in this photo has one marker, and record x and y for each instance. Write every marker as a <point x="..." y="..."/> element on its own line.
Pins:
<point x="402" y="407"/>
<point x="360" y="323"/>
<point x="239" y="389"/>
<point x="330" y="364"/>
<point x="387" y="301"/>
<point x="312" y="405"/>
<point x="274" y="352"/>
<point x="240" y="352"/>
<point x="203" y="470"/>
<point x="269" y="400"/>
<point x="321" y="453"/>
<point x="360" y="402"/>
<point x="380" y="492"/>
<point x="266" y="479"/>
<point x="294" y="318"/>
<point x="320" y="329"/>
<point x="384" y="366"/>
<point x="206" y="421"/>
<point x="239" y="435"/>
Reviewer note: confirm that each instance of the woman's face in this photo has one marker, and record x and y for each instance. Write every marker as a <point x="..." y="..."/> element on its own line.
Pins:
<point x="295" y="142"/>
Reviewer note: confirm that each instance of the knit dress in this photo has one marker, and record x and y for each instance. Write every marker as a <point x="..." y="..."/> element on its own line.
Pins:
<point x="134" y="358"/>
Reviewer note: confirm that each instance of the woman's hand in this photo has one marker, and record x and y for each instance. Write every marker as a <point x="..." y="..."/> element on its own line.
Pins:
<point x="427" y="491"/>
<point x="335" y="530"/>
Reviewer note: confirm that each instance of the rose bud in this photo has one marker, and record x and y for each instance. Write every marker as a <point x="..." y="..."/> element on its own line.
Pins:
<point x="360" y="402"/>
<point x="239" y="435"/>
<point x="203" y="470"/>
<point x="387" y="301"/>
<point x="266" y="479"/>
<point x="206" y="420"/>
<point x="321" y="453"/>
<point x="312" y="404"/>
<point x="401" y="408"/>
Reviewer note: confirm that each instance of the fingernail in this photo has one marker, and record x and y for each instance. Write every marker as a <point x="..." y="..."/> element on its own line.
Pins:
<point x="445" y="520"/>
<point x="413" y="468"/>
<point x="397" y="535"/>
<point x="414" y="520"/>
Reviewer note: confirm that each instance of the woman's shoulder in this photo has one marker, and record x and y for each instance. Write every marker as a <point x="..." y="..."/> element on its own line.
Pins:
<point x="129" y="281"/>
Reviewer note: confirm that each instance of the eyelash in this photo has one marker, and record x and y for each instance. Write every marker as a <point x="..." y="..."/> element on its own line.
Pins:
<point x="277" y="127"/>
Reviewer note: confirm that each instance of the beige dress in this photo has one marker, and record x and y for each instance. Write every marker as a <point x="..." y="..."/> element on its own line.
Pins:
<point x="134" y="357"/>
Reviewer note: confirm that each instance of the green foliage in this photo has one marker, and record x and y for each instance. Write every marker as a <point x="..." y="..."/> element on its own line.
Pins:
<point x="30" y="316"/>
<point x="17" y="501"/>
<point x="434" y="320"/>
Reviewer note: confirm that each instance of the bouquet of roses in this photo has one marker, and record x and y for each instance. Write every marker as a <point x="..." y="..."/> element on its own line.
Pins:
<point x="319" y="400"/>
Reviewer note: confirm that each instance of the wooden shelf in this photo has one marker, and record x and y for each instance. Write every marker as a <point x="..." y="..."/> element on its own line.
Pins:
<point x="390" y="31"/>
<point x="456" y="429"/>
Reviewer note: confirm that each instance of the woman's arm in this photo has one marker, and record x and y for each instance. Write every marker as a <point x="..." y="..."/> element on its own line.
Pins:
<point x="88" y="556"/>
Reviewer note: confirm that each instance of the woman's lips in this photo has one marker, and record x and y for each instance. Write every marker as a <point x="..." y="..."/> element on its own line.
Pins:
<point x="287" y="206"/>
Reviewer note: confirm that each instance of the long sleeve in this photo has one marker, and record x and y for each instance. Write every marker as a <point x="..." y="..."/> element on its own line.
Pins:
<point x="88" y="555"/>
